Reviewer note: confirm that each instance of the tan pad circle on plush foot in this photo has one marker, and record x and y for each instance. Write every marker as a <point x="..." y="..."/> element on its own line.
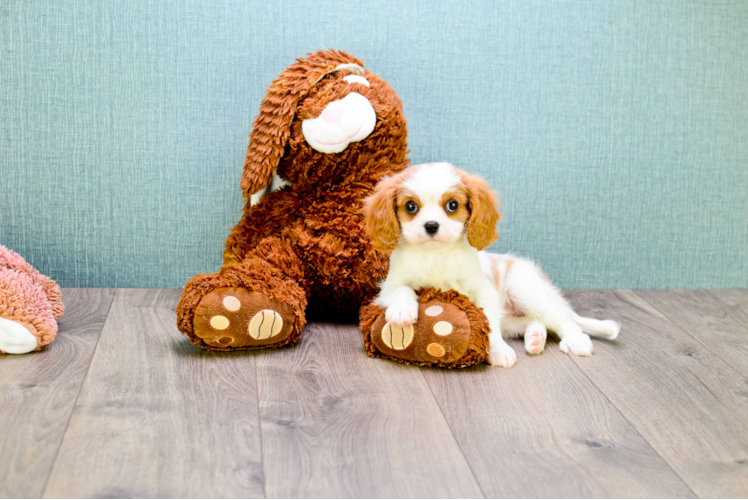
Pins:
<point x="434" y="310"/>
<point x="231" y="303"/>
<point x="443" y="328"/>
<point x="235" y="317"/>
<point x="436" y="350"/>
<point x="219" y="322"/>
<point x="266" y="324"/>
<point x="397" y="337"/>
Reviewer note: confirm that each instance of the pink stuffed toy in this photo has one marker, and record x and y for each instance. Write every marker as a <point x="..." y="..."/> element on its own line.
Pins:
<point x="30" y="305"/>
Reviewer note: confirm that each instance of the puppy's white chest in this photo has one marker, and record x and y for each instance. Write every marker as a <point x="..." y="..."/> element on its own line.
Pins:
<point x="458" y="269"/>
<point x="439" y="273"/>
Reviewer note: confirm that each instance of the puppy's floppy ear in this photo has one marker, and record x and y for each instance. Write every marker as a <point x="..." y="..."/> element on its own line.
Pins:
<point x="380" y="217"/>
<point x="484" y="212"/>
<point x="271" y="129"/>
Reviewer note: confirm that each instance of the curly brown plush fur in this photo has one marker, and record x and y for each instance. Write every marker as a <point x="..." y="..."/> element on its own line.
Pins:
<point x="304" y="245"/>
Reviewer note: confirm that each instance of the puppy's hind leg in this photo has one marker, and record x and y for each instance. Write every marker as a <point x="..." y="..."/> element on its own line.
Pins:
<point x="539" y="299"/>
<point x="535" y="337"/>
<point x="573" y="339"/>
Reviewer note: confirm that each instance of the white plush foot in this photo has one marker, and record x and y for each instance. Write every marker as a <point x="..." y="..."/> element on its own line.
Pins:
<point x="401" y="313"/>
<point x="15" y="338"/>
<point x="535" y="337"/>
<point x="502" y="355"/>
<point x="579" y="344"/>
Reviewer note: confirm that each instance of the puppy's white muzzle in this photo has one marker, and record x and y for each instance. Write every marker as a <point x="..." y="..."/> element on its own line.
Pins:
<point x="342" y="122"/>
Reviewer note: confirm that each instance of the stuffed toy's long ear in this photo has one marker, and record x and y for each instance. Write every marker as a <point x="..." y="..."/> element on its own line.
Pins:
<point x="272" y="127"/>
<point x="380" y="217"/>
<point x="484" y="213"/>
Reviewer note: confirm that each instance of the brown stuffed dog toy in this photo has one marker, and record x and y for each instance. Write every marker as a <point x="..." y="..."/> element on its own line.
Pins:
<point x="332" y="130"/>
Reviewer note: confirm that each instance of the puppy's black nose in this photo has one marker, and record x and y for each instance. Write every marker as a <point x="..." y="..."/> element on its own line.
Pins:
<point x="431" y="227"/>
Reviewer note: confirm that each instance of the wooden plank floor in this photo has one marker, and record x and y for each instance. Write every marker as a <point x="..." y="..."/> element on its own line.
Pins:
<point x="122" y="405"/>
<point x="38" y="392"/>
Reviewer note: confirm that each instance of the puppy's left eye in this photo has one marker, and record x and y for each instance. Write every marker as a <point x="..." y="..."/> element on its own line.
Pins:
<point x="452" y="206"/>
<point x="411" y="207"/>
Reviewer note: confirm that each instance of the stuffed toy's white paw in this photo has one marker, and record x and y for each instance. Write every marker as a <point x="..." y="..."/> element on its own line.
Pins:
<point x="16" y="338"/>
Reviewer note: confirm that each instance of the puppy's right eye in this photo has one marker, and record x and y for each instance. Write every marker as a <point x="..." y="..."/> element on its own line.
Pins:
<point x="411" y="207"/>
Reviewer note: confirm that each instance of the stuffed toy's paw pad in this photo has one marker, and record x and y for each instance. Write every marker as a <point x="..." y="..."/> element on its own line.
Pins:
<point x="441" y="334"/>
<point x="228" y="318"/>
<point x="16" y="338"/>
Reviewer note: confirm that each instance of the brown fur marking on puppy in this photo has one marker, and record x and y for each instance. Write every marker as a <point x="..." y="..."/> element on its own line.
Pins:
<point x="384" y="209"/>
<point x="484" y="212"/>
<point x="459" y="195"/>
<point x="403" y="197"/>
<point x="380" y="216"/>
<point x="509" y="264"/>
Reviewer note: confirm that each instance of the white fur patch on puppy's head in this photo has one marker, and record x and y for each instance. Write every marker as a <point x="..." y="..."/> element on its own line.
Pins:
<point x="433" y="206"/>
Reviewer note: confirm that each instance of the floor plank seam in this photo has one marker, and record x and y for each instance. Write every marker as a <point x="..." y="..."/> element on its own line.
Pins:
<point x="636" y="429"/>
<point x="451" y="431"/>
<point x="695" y="339"/>
<point x="80" y="389"/>
<point x="259" y="424"/>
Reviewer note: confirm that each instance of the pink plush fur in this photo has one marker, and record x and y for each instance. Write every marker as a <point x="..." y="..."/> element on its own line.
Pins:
<point x="28" y="297"/>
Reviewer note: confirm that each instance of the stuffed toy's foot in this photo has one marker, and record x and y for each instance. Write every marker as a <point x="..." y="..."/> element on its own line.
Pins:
<point x="30" y="305"/>
<point x="450" y="332"/>
<point x="18" y="278"/>
<point x="247" y="306"/>
<point x="17" y="338"/>
<point x="234" y="317"/>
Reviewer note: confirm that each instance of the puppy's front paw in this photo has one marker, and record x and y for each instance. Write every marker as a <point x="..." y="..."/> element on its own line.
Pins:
<point x="402" y="313"/>
<point x="502" y="355"/>
<point x="579" y="344"/>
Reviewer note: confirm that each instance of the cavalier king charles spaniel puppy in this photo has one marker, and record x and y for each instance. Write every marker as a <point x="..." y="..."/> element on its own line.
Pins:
<point x="435" y="220"/>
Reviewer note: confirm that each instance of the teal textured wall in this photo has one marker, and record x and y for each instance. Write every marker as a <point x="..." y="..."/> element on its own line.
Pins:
<point x="616" y="131"/>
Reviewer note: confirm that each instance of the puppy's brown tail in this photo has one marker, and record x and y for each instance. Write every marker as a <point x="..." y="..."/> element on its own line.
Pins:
<point x="607" y="329"/>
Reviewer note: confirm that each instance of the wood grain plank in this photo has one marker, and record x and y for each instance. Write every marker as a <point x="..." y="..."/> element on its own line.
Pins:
<point x="542" y="429"/>
<point x="336" y="423"/>
<point x="682" y="398"/>
<point x="158" y="417"/>
<point x="736" y="297"/>
<point x="721" y="328"/>
<point x="38" y="392"/>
